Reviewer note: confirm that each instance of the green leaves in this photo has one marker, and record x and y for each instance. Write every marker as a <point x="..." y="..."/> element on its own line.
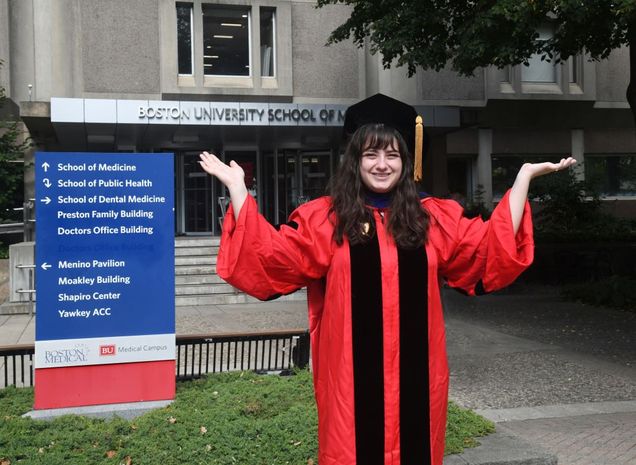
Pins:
<point x="462" y="427"/>
<point x="470" y="34"/>
<point x="12" y="146"/>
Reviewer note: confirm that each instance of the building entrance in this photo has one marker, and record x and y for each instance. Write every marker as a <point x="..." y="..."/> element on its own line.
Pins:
<point x="194" y="195"/>
<point x="279" y="180"/>
<point x="293" y="177"/>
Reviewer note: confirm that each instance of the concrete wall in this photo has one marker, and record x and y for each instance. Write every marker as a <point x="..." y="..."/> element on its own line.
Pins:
<point x="66" y="49"/>
<point x="611" y="140"/>
<point x="44" y="45"/>
<point x="120" y="46"/>
<point x="38" y="57"/>
<point x="319" y="71"/>
<point x="5" y="74"/>
<point x="393" y="81"/>
<point x="529" y="141"/>
<point x="446" y="86"/>
<point x="464" y="142"/>
<point x="22" y="61"/>
<point x="612" y="76"/>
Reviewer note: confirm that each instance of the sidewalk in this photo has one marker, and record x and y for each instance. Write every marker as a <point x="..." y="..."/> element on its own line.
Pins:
<point x="229" y="318"/>
<point x="558" y="374"/>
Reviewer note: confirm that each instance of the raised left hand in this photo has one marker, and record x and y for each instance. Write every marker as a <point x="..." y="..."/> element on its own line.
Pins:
<point x="534" y="170"/>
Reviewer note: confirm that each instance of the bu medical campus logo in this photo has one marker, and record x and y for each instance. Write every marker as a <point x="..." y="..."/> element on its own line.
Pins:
<point x="109" y="349"/>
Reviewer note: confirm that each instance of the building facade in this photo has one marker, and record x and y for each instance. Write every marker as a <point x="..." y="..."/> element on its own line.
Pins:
<point x="253" y="81"/>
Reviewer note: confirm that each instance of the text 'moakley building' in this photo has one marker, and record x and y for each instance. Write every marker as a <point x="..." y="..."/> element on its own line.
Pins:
<point x="253" y="81"/>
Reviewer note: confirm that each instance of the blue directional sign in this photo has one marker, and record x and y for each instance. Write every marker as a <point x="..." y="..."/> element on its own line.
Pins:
<point x="104" y="257"/>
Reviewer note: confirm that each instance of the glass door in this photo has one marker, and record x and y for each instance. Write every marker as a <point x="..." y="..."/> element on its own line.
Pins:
<point x="273" y="193"/>
<point x="196" y="195"/>
<point x="315" y="171"/>
<point x="304" y="177"/>
<point x="248" y="160"/>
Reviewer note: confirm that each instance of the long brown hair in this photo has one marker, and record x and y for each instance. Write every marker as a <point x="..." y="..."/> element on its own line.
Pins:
<point x="407" y="221"/>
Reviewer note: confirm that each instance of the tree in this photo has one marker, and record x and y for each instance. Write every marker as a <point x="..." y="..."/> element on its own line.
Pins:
<point x="12" y="147"/>
<point x="469" y="34"/>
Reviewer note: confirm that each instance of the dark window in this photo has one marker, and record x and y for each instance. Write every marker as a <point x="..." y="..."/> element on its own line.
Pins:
<point x="612" y="175"/>
<point x="226" y="40"/>
<point x="506" y="167"/>
<point x="184" y="37"/>
<point x="539" y="69"/>
<point x="268" y="31"/>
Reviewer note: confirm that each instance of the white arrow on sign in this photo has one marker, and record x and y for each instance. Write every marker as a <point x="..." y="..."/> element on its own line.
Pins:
<point x="46" y="182"/>
<point x="45" y="266"/>
<point x="46" y="200"/>
<point x="46" y="166"/>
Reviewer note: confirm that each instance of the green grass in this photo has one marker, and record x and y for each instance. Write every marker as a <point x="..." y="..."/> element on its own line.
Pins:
<point x="463" y="427"/>
<point x="225" y="419"/>
<point x="617" y="292"/>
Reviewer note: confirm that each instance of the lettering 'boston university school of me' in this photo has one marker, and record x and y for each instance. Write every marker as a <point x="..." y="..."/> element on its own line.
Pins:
<point x="256" y="115"/>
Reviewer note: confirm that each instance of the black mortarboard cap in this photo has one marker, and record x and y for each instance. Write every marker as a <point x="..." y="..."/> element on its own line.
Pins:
<point x="381" y="109"/>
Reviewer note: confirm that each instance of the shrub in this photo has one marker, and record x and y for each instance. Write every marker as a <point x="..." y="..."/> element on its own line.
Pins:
<point x="615" y="292"/>
<point x="570" y="210"/>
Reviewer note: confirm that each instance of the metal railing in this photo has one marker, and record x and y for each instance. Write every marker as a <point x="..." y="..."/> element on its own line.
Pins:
<point x="271" y="351"/>
<point x="30" y="290"/>
<point x="11" y="228"/>
<point x="17" y="365"/>
<point x="196" y="356"/>
<point x="26" y="227"/>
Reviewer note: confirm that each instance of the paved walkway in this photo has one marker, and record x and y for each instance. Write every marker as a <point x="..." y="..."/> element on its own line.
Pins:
<point x="561" y="375"/>
<point x="608" y="439"/>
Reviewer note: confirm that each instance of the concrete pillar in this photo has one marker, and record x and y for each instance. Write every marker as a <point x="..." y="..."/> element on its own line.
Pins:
<point x="5" y="70"/>
<point x="21" y="279"/>
<point x="484" y="165"/>
<point x="578" y="152"/>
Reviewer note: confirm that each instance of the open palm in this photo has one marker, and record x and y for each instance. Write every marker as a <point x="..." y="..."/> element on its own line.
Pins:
<point x="231" y="175"/>
<point x="535" y="170"/>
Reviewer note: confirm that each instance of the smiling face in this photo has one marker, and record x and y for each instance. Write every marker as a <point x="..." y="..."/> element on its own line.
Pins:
<point x="380" y="168"/>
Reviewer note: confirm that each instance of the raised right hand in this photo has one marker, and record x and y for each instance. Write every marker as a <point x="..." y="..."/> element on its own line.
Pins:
<point x="232" y="175"/>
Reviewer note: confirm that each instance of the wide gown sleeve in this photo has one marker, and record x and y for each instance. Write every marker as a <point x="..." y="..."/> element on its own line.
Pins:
<point x="267" y="262"/>
<point x="476" y="256"/>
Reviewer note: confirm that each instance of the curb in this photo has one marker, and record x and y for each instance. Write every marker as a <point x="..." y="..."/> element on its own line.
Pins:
<point x="127" y="411"/>
<point x="502" y="448"/>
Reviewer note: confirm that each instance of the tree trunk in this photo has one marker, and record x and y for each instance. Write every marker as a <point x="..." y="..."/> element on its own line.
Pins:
<point x="631" y="88"/>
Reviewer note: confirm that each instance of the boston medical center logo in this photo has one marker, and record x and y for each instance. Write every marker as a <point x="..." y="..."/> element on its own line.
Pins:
<point x="77" y="354"/>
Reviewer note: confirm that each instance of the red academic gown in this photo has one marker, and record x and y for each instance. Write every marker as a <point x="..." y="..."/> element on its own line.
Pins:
<point x="375" y="316"/>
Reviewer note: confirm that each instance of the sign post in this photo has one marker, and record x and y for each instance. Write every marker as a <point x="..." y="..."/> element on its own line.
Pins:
<point x="105" y="321"/>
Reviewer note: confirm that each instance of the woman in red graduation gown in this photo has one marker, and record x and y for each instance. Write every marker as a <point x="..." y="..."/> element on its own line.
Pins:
<point x="372" y="255"/>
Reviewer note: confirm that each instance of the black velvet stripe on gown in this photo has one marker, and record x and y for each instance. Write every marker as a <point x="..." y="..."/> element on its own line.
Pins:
<point x="368" y="364"/>
<point x="414" y="380"/>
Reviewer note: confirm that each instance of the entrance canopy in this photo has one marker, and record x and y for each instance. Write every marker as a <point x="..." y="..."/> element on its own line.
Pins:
<point x="129" y="125"/>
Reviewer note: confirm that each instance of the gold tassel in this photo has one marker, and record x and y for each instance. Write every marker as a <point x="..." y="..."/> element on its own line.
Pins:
<point x="419" y="142"/>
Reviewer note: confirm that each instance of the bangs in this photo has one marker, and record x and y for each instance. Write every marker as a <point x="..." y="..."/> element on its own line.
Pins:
<point x="379" y="136"/>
